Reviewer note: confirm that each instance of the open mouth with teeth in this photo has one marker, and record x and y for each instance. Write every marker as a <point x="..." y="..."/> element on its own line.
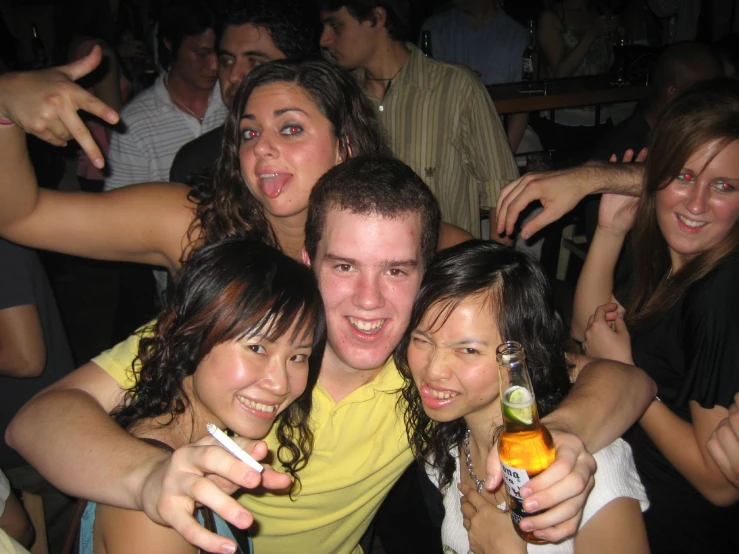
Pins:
<point x="690" y="223"/>
<point x="258" y="406"/>
<point x="367" y="327"/>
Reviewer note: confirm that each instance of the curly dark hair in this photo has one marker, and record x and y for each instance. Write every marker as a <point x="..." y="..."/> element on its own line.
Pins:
<point x="226" y="291"/>
<point x="224" y="205"/>
<point x="520" y="299"/>
<point x="293" y="25"/>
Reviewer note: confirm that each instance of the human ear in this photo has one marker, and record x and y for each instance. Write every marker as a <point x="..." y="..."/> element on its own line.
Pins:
<point x="379" y="17"/>
<point x="304" y="256"/>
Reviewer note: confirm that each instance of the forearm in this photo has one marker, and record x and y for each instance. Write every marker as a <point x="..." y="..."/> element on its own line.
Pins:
<point x="626" y="179"/>
<point x="18" y="188"/>
<point x="607" y="398"/>
<point x="595" y="284"/>
<point x="70" y="439"/>
<point x="517" y="123"/>
<point x="678" y="441"/>
<point x="572" y="60"/>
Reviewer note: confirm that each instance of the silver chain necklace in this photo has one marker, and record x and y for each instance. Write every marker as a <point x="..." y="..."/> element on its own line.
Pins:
<point x="479" y="483"/>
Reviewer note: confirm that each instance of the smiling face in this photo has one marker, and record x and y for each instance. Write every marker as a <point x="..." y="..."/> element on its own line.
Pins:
<point x="286" y="145"/>
<point x="243" y="385"/>
<point x="242" y="48"/>
<point x="369" y="269"/>
<point x="454" y="365"/>
<point x="700" y="207"/>
<point x="349" y="41"/>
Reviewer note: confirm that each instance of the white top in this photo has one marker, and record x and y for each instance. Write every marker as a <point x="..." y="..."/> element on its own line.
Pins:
<point x="615" y="477"/>
<point x="155" y="130"/>
<point x="4" y="492"/>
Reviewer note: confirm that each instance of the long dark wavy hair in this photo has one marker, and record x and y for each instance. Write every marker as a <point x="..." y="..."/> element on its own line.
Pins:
<point x="704" y="113"/>
<point x="225" y="291"/>
<point x="521" y="303"/>
<point x="224" y="205"/>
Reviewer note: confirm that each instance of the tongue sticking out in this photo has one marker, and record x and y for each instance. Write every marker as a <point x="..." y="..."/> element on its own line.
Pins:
<point x="272" y="186"/>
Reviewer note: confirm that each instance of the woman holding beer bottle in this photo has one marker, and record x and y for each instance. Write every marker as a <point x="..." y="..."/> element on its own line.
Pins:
<point x="474" y="297"/>
<point x="679" y="318"/>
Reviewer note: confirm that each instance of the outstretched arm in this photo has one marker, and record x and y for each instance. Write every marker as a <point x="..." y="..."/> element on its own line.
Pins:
<point x="67" y="434"/>
<point x="559" y="192"/>
<point x="147" y="224"/>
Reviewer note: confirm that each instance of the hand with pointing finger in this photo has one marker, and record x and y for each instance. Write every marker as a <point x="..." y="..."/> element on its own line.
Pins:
<point x="45" y="104"/>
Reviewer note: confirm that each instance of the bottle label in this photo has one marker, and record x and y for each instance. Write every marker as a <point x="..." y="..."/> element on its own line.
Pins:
<point x="515" y="478"/>
<point x="528" y="66"/>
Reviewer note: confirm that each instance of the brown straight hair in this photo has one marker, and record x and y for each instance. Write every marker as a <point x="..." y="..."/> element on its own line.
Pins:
<point x="705" y="113"/>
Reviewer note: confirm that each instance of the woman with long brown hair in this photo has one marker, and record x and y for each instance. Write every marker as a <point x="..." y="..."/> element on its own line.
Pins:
<point x="679" y="319"/>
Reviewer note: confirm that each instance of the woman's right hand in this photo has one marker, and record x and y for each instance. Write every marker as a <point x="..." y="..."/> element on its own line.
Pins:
<point x="205" y="473"/>
<point x="45" y="103"/>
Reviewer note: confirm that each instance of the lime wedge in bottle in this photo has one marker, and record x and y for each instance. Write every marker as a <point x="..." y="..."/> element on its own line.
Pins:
<point x="518" y="405"/>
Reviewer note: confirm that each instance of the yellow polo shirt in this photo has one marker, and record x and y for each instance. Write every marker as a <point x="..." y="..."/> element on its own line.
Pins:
<point x="360" y="450"/>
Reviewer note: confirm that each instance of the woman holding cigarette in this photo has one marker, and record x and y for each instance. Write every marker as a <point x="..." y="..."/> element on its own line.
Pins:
<point x="473" y="297"/>
<point x="239" y="347"/>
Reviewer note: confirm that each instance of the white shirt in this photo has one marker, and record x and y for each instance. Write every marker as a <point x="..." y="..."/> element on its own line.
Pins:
<point x="616" y="477"/>
<point x="155" y="130"/>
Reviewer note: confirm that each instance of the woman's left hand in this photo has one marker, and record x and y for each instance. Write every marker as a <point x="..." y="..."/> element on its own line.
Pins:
<point x="607" y="336"/>
<point x="489" y="529"/>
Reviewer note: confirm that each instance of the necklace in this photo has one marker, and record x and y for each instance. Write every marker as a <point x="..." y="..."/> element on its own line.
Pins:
<point x="479" y="483"/>
<point x="179" y="103"/>
<point x="389" y="80"/>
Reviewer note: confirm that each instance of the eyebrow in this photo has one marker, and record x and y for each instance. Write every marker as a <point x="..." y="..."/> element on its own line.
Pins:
<point x="385" y="263"/>
<point x="276" y="113"/>
<point x="463" y="342"/>
<point x="257" y="53"/>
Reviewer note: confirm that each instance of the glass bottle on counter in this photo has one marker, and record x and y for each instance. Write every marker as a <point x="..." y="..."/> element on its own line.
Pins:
<point x="426" y="44"/>
<point x="528" y="69"/>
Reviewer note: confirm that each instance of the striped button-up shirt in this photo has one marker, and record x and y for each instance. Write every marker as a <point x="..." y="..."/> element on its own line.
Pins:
<point x="155" y="130"/>
<point x="440" y="120"/>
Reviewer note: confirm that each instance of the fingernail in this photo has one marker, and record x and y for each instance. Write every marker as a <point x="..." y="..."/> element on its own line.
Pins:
<point x="531" y="506"/>
<point x="525" y="235"/>
<point x="526" y="526"/>
<point x="525" y="492"/>
<point x="242" y="519"/>
<point x="98" y="162"/>
<point x="228" y="549"/>
<point x="489" y="483"/>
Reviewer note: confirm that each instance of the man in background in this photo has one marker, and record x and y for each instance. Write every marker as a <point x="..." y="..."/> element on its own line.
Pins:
<point x="249" y="33"/>
<point x="438" y="117"/>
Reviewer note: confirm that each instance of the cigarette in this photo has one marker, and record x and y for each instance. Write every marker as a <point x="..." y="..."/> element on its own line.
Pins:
<point x="233" y="448"/>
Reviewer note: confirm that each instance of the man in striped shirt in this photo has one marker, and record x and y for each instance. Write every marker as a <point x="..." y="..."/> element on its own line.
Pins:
<point x="438" y="117"/>
<point x="183" y="103"/>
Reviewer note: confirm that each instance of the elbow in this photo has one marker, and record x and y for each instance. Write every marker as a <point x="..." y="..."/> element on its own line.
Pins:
<point x="26" y="365"/>
<point x="722" y="496"/>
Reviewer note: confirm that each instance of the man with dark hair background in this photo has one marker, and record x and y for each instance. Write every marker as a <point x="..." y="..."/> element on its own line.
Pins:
<point x="249" y="33"/>
<point x="438" y="117"/>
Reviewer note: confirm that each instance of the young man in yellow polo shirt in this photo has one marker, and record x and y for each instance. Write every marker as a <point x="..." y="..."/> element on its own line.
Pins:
<point x="372" y="226"/>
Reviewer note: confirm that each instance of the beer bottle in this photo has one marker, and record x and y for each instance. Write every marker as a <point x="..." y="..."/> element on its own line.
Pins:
<point x="529" y="53"/>
<point x="525" y="446"/>
<point x="39" y="52"/>
<point x="426" y="44"/>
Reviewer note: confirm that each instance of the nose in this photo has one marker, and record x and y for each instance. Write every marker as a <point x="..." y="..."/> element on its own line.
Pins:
<point x="368" y="293"/>
<point x="697" y="201"/>
<point x="437" y="367"/>
<point x="212" y="63"/>
<point x="327" y="37"/>
<point x="263" y="145"/>
<point x="275" y="379"/>
<point x="237" y="73"/>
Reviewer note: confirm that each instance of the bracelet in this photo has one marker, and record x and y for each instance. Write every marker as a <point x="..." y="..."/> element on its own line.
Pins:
<point x="6" y="122"/>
